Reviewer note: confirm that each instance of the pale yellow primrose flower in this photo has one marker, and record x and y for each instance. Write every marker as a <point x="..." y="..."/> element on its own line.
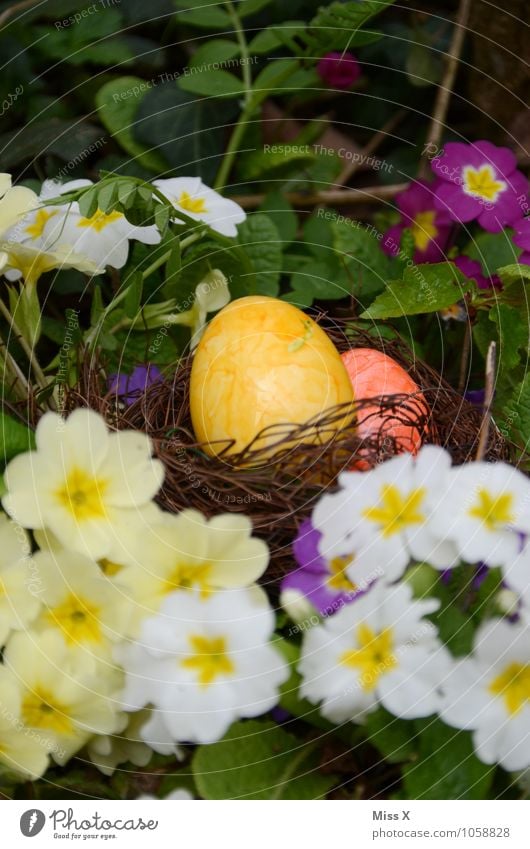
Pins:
<point x="21" y="751"/>
<point x="15" y="202"/>
<point x="79" y="602"/>
<point x="19" y="584"/>
<point x="64" y="700"/>
<point x="31" y="262"/>
<point x="189" y="552"/>
<point x="92" y="489"/>
<point x="107" y="752"/>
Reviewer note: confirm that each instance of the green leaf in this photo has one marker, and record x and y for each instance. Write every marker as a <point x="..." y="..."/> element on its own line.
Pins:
<point x="424" y="288"/>
<point x="133" y="298"/>
<point x="15" y="438"/>
<point x="68" y="140"/>
<point x="211" y="83"/>
<point x="448" y="767"/>
<point x="359" y="248"/>
<point x="514" y="420"/>
<point x="261" y="242"/>
<point x="423" y="65"/>
<point x="214" y="50"/>
<point x="281" y="214"/>
<point x="245" y="8"/>
<point x="117" y="103"/>
<point x="318" y="236"/>
<point x="107" y="196"/>
<point x="513" y="273"/>
<point x="259" y="760"/>
<point x="282" y="160"/>
<point x="88" y="202"/>
<point x="493" y="250"/>
<point x="394" y="738"/>
<point x="189" y="132"/>
<point x="272" y="37"/>
<point x="208" y="16"/>
<point x="337" y="27"/>
<point x="316" y="281"/>
<point x="513" y="335"/>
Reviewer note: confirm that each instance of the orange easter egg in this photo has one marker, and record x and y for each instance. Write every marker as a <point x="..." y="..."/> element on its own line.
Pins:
<point x="263" y="362"/>
<point x="374" y="374"/>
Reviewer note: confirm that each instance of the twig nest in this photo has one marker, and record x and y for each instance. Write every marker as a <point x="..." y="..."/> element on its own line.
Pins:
<point x="263" y="363"/>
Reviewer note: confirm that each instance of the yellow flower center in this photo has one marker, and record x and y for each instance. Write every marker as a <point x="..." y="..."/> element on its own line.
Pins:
<point x="78" y="619"/>
<point x="209" y="659"/>
<point x="482" y="183"/>
<point x="41" y="710"/>
<point x="338" y="579"/>
<point x="188" y="576"/>
<point x="82" y="495"/>
<point x="514" y="686"/>
<point x="423" y="229"/>
<point x="42" y="216"/>
<point x="396" y="511"/>
<point x="100" y="220"/>
<point x="373" y="658"/>
<point x="196" y="205"/>
<point x="493" y="510"/>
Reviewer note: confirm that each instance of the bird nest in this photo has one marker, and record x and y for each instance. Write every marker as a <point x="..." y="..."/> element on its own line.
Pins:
<point x="278" y="485"/>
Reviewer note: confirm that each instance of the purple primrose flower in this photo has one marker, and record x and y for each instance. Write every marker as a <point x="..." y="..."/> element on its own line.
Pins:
<point x="339" y="70"/>
<point x="128" y="387"/>
<point x="430" y="227"/>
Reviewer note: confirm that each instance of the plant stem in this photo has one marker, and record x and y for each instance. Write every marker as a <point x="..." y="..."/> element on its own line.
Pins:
<point x="189" y="240"/>
<point x="293" y="765"/>
<point x="40" y="377"/>
<point x="491" y="361"/>
<point x="233" y="147"/>
<point x="242" y="41"/>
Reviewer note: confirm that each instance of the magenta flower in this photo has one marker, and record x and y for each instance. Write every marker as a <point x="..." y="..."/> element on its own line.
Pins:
<point x="129" y="387"/>
<point x="473" y="269"/>
<point x="430" y="226"/>
<point x="480" y="181"/>
<point x="522" y="239"/>
<point x="339" y="70"/>
<point x="323" y="582"/>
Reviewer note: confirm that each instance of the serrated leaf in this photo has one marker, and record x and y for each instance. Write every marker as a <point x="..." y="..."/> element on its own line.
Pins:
<point x="280" y="163"/>
<point x="360" y="250"/>
<point x="316" y="281"/>
<point x="513" y="335"/>
<point x="423" y="289"/>
<point x="117" y="103"/>
<point x="261" y="242"/>
<point x="211" y="83"/>
<point x="259" y="760"/>
<point x="15" y="438"/>
<point x="514" y="420"/>
<point x="493" y="250"/>
<point x="447" y="767"/>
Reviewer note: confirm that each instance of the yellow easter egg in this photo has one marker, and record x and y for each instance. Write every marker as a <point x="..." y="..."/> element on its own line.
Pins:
<point x="262" y="362"/>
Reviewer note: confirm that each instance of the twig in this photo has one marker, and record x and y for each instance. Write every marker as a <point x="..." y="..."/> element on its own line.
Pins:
<point x="484" y="431"/>
<point x="445" y="89"/>
<point x="352" y="167"/>
<point x="371" y="194"/>
<point x="464" y="360"/>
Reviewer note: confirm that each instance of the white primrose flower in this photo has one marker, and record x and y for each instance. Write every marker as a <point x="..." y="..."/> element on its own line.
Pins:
<point x="103" y="239"/>
<point x="202" y="664"/>
<point x="19" y="584"/>
<point x="384" y="516"/>
<point x="485" y="509"/>
<point x="201" y="203"/>
<point x="109" y="751"/>
<point x="377" y="650"/>
<point x="63" y="699"/>
<point x="92" y="489"/>
<point x="19" y="750"/>
<point x="489" y="694"/>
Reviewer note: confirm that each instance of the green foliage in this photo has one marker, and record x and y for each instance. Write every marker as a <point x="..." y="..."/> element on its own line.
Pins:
<point x="423" y="289"/>
<point x="15" y="438"/>
<point x="393" y="737"/>
<point x="259" y="760"/>
<point x="117" y="104"/>
<point x="262" y="244"/>
<point x="493" y="250"/>
<point x="338" y="26"/>
<point x="447" y="767"/>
